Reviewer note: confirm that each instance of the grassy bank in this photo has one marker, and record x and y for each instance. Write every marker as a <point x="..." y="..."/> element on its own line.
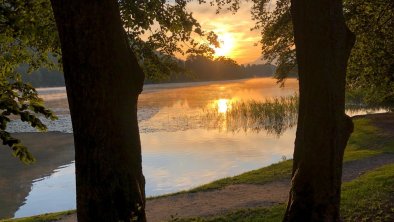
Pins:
<point x="370" y="197"/>
<point x="366" y="198"/>
<point x="366" y="141"/>
<point x="42" y="218"/>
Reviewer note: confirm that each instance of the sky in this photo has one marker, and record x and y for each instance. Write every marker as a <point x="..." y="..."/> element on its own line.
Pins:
<point x="238" y="41"/>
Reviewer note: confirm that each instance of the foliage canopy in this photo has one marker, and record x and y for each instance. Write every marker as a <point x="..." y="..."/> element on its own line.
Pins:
<point x="370" y="74"/>
<point x="157" y="31"/>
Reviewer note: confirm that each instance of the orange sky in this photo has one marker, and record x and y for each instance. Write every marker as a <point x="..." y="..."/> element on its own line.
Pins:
<point x="233" y="29"/>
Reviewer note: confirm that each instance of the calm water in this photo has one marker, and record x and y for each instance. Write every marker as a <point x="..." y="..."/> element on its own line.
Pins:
<point x="180" y="149"/>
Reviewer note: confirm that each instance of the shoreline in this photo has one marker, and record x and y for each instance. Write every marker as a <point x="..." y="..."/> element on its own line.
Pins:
<point x="208" y="197"/>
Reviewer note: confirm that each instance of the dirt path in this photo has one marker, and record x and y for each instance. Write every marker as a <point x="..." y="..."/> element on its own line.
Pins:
<point x="240" y="196"/>
<point x="354" y="169"/>
<point x="213" y="202"/>
<point x="219" y="201"/>
<point x="245" y="195"/>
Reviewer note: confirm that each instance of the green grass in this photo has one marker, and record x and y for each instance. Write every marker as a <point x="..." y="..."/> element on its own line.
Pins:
<point x="370" y="197"/>
<point x="366" y="141"/>
<point x="364" y="132"/>
<point x="388" y="147"/>
<point x="367" y="198"/>
<point x="264" y="175"/>
<point x="271" y="214"/>
<point x="42" y="218"/>
<point x="351" y="155"/>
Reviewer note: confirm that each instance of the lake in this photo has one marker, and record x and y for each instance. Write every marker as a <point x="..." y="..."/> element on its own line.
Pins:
<point x="181" y="148"/>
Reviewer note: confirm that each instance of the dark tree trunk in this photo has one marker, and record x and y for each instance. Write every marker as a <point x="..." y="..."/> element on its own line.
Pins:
<point x="103" y="81"/>
<point x="323" y="44"/>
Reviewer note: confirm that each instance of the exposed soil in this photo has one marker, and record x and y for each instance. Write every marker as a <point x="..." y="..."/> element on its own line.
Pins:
<point x="354" y="169"/>
<point x="384" y="121"/>
<point x="218" y="201"/>
<point x="248" y="196"/>
<point x="239" y="196"/>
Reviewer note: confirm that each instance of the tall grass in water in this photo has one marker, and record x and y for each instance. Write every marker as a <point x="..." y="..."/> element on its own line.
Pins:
<point x="273" y="116"/>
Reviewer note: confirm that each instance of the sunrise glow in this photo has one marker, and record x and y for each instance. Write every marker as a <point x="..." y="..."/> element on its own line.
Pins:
<point x="227" y="42"/>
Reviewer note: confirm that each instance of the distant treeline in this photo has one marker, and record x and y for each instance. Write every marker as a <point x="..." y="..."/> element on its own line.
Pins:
<point x="197" y="68"/>
<point x="44" y="78"/>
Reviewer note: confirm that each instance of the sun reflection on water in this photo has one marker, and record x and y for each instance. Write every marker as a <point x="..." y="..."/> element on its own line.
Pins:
<point x="223" y="105"/>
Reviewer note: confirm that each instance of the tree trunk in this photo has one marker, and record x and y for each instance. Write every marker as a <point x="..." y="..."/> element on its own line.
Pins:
<point x="323" y="45"/>
<point x="103" y="81"/>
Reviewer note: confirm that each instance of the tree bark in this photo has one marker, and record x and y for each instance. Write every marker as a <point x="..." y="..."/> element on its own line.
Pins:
<point x="323" y="45"/>
<point x="103" y="81"/>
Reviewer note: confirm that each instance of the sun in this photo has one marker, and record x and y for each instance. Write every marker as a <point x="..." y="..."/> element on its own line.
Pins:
<point x="226" y="41"/>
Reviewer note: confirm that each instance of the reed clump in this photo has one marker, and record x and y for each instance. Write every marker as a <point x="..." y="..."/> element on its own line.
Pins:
<point x="271" y="115"/>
